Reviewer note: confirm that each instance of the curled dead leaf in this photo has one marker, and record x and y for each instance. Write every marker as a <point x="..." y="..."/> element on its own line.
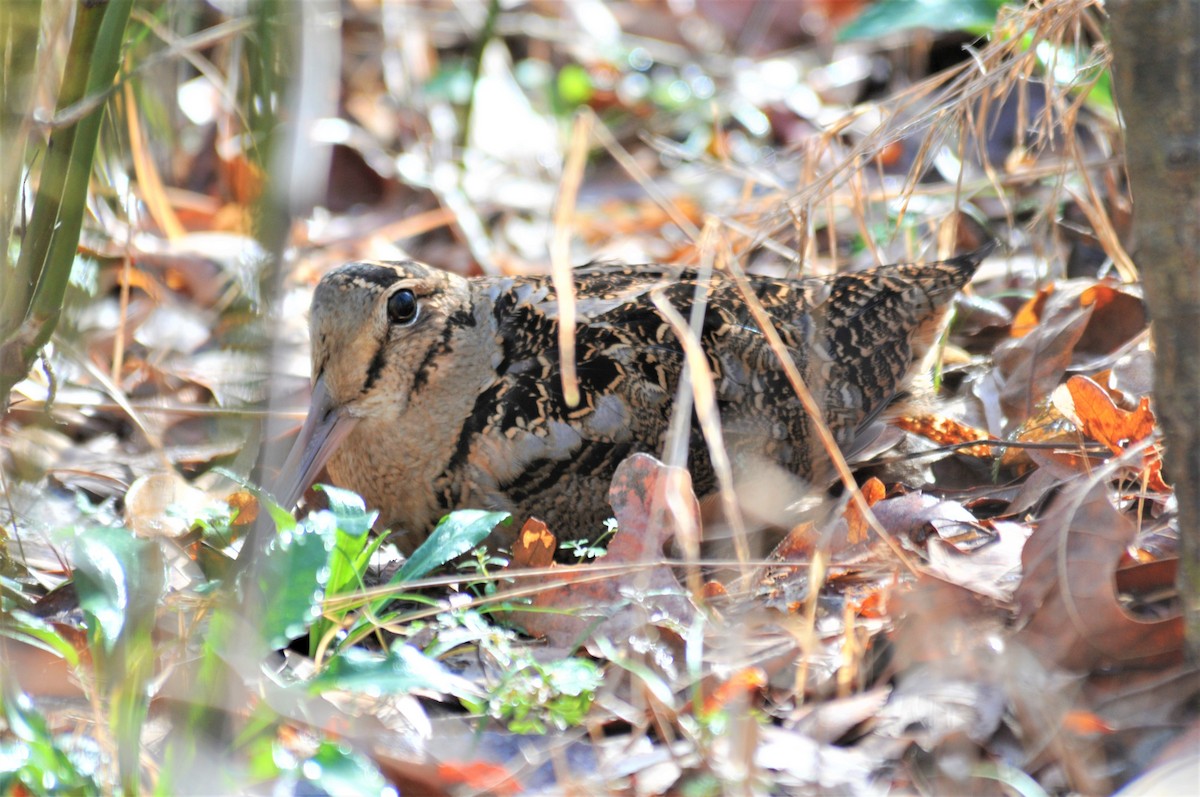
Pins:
<point x="1030" y="314"/>
<point x="1028" y="368"/>
<point x="1067" y="600"/>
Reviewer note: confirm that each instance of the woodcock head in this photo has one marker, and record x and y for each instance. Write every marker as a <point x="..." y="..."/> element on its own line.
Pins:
<point x="376" y="332"/>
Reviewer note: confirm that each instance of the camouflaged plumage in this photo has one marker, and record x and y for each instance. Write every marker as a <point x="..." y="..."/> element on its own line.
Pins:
<point x="462" y="405"/>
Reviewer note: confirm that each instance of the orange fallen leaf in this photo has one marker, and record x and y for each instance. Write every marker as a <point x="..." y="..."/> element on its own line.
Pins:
<point x="872" y="490"/>
<point x="535" y="545"/>
<point x="246" y="506"/>
<point x="872" y="607"/>
<point x="1119" y="315"/>
<point x="1030" y="314"/>
<point x="947" y="432"/>
<point x="480" y="776"/>
<point x="1085" y="722"/>
<point x="1028" y="368"/>
<point x="1098" y="417"/>
<point x="740" y="688"/>
<point x="798" y="544"/>
<point x="1046" y="425"/>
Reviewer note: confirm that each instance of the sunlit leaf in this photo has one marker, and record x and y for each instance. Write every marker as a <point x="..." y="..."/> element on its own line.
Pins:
<point x="402" y="670"/>
<point x="338" y="771"/>
<point x="119" y="579"/>
<point x="32" y="759"/>
<point x="348" y="509"/>
<point x="291" y="578"/>
<point x="888" y="17"/>
<point x="37" y="632"/>
<point x="456" y="534"/>
<point x="351" y="522"/>
<point x="574" y="84"/>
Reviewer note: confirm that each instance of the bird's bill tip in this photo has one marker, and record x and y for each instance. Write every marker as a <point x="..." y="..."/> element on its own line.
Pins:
<point x="323" y="431"/>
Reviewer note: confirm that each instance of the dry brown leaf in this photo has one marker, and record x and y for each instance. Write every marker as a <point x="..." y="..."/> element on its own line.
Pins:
<point x="799" y="542"/>
<point x="1046" y="425"/>
<point x="1028" y="368"/>
<point x="1102" y="420"/>
<point x="874" y="606"/>
<point x="583" y="601"/>
<point x="1117" y="317"/>
<point x="45" y="674"/>
<point x="797" y="545"/>
<point x="993" y="569"/>
<point x="1068" y="600"/>
<point x="1148" y="577"/>
<point x="908" y="515"/>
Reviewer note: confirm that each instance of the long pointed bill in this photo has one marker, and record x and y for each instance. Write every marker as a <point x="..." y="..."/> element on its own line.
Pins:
<point x="324" y="430"/>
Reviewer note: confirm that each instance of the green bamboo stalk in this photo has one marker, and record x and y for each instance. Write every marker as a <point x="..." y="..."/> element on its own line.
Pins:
<point x="19" y="23"/>
<point x="32" y="300"/>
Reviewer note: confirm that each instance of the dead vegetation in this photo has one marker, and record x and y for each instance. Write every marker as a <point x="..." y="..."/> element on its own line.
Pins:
<point x="986" y="607"/>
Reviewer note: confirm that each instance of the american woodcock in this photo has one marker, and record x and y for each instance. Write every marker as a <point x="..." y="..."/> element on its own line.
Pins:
<point x="433" y="392"/>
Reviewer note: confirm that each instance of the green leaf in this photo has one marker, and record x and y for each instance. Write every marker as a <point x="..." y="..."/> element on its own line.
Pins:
<point x="351" y="522"/>
<point x="32" y="756"/>
<point x="402" y="670"/>
<point x="349" y="510"/>
<point x="290" y="580"/>
<point x="574" y="676"/>
<point x="574" y="85"/>
<point x="558" y="692"/>
<point x="456" y="534"/>
<point x="119" y="579"/>
<point x="36" y="632"/>
<point x="340" y="772"/>
<point x="888" y="17"/>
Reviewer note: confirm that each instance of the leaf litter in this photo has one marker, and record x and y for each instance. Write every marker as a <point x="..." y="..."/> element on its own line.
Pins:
<point x="982" y="643"/>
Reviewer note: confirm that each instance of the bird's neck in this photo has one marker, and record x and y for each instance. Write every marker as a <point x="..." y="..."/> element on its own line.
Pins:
<point x="399" y="453"/>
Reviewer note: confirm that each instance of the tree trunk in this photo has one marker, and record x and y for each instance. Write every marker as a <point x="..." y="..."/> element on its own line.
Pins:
<point x="1156" y="74"/>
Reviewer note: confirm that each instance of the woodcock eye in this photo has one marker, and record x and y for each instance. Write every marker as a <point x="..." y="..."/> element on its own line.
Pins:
<point x="402" y="307"/>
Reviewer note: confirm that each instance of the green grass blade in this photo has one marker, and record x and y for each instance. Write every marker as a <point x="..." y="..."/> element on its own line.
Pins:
<point x="32" y="301"/>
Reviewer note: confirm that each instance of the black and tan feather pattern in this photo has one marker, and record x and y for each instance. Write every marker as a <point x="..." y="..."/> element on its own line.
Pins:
<point x="462" y="405"/>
